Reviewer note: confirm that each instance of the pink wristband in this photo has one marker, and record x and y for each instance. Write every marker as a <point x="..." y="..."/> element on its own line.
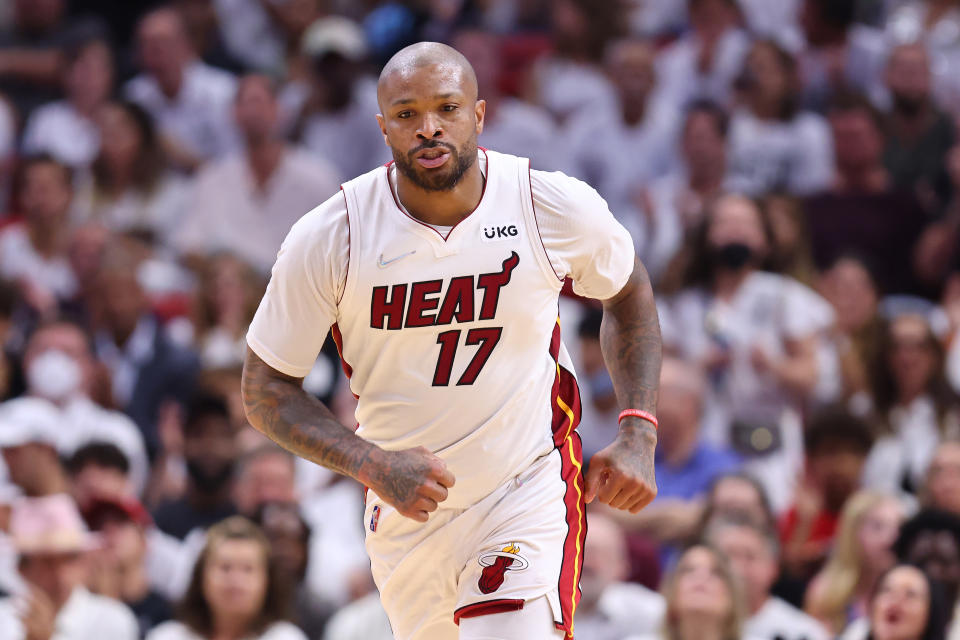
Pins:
<point x="639" y="413"/>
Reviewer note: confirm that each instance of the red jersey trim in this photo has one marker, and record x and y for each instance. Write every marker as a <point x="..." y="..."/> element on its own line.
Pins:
<point x="533" y="208"/>
<point x="486" y="607"/>
<point x="400" y="208"/>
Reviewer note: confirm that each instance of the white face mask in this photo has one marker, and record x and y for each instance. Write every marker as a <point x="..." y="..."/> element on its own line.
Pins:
<point x="54" y="375"/>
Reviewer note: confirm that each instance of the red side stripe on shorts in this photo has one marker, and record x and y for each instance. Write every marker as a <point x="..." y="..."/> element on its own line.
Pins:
<point x="486" y="607"/>
<point x="571" y="454"/>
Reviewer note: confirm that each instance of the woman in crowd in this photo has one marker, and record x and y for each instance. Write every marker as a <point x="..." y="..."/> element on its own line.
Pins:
<point x="757" y="335"/>
<point x="129" y="186"/>
<point x="862" y="552"/>
<point x="772" y="145"/>
<point x="913" y="403"/>
<point x="905" y="606"/>
<point x="234" y="592"/>
<point x="703" y="599"/>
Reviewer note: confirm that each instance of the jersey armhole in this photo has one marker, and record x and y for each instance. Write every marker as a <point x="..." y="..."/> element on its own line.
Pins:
<point x="353" y="232"/>
<point x="525" y="179"/>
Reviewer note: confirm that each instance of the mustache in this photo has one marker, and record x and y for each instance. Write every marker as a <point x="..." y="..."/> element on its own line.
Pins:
<point x="432" y="144"/>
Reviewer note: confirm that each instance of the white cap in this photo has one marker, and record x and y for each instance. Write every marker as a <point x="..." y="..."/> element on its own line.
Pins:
<point x="335" y="34"/>
<point x="25" y="420"/>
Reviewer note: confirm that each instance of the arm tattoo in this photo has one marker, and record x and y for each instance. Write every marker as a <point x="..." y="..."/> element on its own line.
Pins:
<point x="630" y="341"/>
<point x="277" y="406"/>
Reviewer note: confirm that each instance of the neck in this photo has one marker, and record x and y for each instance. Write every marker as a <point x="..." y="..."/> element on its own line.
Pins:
<point x="911" y="124"/>
<point x="708" y="180"/>
<point x="443" y="208"/>
<point x="170" y="83"/>
<point x="134" y="585"/>
<point x="726" y="283"/>
<point x="229" y="627"/>
<point x="756" y="604"/>
<point x="264" y="157"/>
<point x="633" y="112"/>
<point x="695" y="627"/>
<point x="765" y="108"/>
<point x="906" y="396"/>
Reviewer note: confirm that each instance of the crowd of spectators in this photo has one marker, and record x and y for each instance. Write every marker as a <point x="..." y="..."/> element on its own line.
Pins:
<point x="789" y="171"/>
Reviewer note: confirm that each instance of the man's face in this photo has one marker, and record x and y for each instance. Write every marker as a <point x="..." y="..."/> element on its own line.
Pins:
<point x="937" y="554"/>
<point x="704" y="146"/>
<point x="943" y="478"/>
<point x="66" y="339"/>
<point x="161" y="43"/>
<point x="856" y="139"/>
<point x="836" y="471"/>
<point x="123" y="542"/>
<point x="751" y="558"/>
<point x="210" y="450"/>
<point x="430" y="120"/>
<point x="46" y="194"/>
<point x="122" y="300"/>
<point x="267" y="478"/>
<point x="57" y="574"/>
<point x="95" y="481"/>
<point x="256" y="109"/>
<point x="908" y="76"/>
<point x="631" y="68"/>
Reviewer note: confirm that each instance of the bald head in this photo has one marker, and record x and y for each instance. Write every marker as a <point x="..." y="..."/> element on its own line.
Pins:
<point x="436" y="57"/>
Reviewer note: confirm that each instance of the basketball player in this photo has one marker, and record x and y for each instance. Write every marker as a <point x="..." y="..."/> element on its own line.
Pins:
<point x="438" y="277"/>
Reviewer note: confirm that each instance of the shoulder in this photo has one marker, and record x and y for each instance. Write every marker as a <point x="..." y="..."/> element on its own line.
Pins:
<point x="311" y="166"/>
<point x="283" y="631"/>
<point x="808" y="122"/>
<point x="171" y="630"/>
<point x="213" y="81"/>
<point x="109" y="612"/>
<point x="556" y="192"/>
<point x="226" y="168"/>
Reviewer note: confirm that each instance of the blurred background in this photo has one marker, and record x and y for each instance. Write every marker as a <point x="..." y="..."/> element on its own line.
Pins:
<point x="789" y="171"/>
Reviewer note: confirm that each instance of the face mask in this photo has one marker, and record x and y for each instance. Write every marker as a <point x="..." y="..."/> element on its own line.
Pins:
<point x="54" y="375"/>
<point x="733" y="255"/>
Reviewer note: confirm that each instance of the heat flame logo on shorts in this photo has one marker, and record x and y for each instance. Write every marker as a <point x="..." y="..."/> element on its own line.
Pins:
<point x="496" y="564"/>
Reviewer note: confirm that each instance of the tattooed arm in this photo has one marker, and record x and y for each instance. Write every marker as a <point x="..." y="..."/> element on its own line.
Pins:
<point x="413" y="480"/>
<point x="621" y="475"/>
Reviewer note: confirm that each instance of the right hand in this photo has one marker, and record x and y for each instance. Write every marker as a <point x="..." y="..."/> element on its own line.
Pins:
<point x="413" y="481"/>
<point x="39" y="615"/>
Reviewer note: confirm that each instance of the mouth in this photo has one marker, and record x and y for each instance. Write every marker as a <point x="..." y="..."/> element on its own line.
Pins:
<point x="432" y="158"/>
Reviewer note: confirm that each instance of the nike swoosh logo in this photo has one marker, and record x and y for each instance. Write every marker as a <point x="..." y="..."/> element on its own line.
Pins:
<point x="383" y="263"/>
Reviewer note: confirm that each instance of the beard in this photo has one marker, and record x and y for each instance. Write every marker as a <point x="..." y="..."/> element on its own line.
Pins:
<point x="443" y="179"/>
<point x="910" y="106"/>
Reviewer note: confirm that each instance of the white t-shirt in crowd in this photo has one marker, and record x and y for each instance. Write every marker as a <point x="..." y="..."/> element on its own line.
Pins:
<point x="780" y="620"/>
<point x="566" y="88"/>
<point x="522" y="129"/>
<point x="624" y="608"/>
<point x="200" y="116"/>
<point x="19" y="260"/>
<point x="362" y="619"/>
<point x="227" y="212"/>
<point x="775" y="19"/>
<point x="652" y="18"/>
<point x="795" y="156"/>
<point x="173" y="630"/>
<point x="682" y="81"/>
<point x="58" y="129"/>
<point x="85" y="616"/>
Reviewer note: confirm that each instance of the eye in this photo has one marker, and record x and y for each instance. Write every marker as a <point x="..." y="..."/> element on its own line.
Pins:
<point x="405" y="114"/>
<point x="450" y="107"/>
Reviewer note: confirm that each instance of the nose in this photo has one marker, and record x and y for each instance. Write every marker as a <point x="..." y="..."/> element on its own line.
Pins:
<point x="429" y="127"/>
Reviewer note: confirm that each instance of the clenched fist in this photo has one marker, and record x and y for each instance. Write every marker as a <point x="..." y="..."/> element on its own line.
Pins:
<point x="413" y="481"/>
<point x="621" y="475"/>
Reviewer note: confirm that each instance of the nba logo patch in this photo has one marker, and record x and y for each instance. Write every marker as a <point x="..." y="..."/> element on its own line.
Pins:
<point x="374" y="517"/>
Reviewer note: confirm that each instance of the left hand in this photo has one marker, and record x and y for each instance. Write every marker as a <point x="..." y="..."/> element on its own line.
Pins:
<point x="621" y="475"/>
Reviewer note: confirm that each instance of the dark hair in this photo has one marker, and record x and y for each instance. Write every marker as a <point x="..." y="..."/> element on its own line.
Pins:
<point x="150" y="162"/>
<point x="100" y="454"/>
<point x="74" y="50"/>
<point x="204" y="404"/>
<point x="709" y="108"/>
<point x="925" y="520"/>
<point x="604" y="23"/>
<point x="9" y="298"/>
<point x="270" y="510"/>
<point x="589" y="326"/>
<point x="835" y="428"/>
<point x="62" y="320"/>
<point x="849" y="101"/>
<point x="838" y="14"/>
<point x="38" y="159"/>
<point x="938" y="610"/>
<point x="709" y="508"/>
<point x="194" y="610"/>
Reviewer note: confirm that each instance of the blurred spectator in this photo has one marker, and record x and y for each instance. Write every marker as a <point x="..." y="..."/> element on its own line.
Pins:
<point x="850" y="289"/>
<point x="839" y="593"/>
<point x="791" y="254"/>
<point x="362" y="619"/>
<point x="739" y="495"/>
<point x="66" y="129"/>
<point x="841" y="55"/>
<point x="250" y="34"/>
<point x="936" y="24"/>
<point x="34" y="252"/>
<point x="863" y="212"/>
<point x="339" y="121"/>
<point x="907" y="605"/>
<point x="599" y="402"/>
<point x="246" y="203"/>
<point x="99" y="470"/>
<point x="264" y="475"/>
<point x="230" y="291"/>
<point x="773" y="145"/>
<point x="703" y="599"/>
<point x="942" y="489"/>
<point x="756" y="335"/>
<point x="189" y="100"/>
<point x="611" y="608"/>
<point x="209" y="449"/>
<point x="119" y="566"/>
<point x="930" y="540"/>
<point x="836" y="445"/>
<point x="147" y="369"/>
<point x="753" y="553"/>
<point x="233" y="592"/>
<point x="569" y="82"/>
<point x="129" y="186"/>
<point x="919" y="134"/>
<point x="914" y="404"/>
<point x="28" y="440"/>
<point x="54" y="546"/>
<point x="777" y="20"/>
<point x="202" y="26"/>
<point x="289" y="537"/>
<point x="59" y="366"/>
<point x="32" y="53"/>
<point x="704" y="63"/>
<point x="510" y="125"/>
<point x="675" y="204"/>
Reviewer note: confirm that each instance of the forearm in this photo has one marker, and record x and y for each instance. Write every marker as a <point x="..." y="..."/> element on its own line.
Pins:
<point x="797" y="374"/>
<point x="630" y="341"/>
<point x="278" y="407"/>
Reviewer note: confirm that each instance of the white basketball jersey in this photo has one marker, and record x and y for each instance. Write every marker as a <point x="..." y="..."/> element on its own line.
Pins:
<point x="452" y="342"/>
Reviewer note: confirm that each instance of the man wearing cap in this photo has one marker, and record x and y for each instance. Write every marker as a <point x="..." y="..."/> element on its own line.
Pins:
<point x="28" y="440"/>
<point x="246" y="202"/>
<point x="53" y="543"/>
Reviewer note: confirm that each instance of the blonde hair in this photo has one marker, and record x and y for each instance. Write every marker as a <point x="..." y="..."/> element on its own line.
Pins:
<point x="733" y="624"/>
<point x="837" y="581"/>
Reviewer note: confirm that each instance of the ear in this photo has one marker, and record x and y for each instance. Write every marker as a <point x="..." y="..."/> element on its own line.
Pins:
<point x="480" y="110"/>
<point x="383" y="128"/>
